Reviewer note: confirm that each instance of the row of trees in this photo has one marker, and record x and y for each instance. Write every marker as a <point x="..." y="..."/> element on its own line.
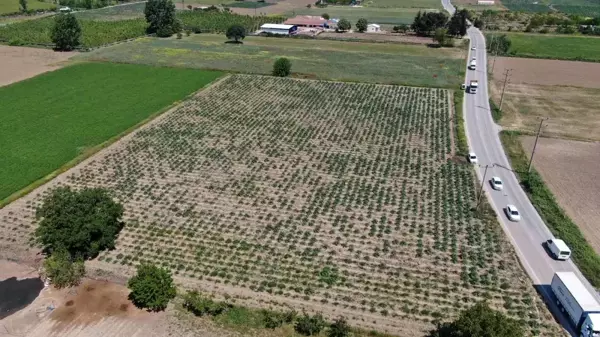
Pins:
<point x="426" y="23"/>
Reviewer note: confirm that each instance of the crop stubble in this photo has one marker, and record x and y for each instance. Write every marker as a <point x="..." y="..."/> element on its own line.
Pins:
<point x="254" y="185"/>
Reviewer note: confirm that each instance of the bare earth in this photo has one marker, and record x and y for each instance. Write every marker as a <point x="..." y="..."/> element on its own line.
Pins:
<point x="570" y="169"/>
<point x="413" y="39"/>
<point x="548" y="72"/>
<point x="19" y="63"/>
<point x="279" y="7"/>
<point x="564" y="91"/>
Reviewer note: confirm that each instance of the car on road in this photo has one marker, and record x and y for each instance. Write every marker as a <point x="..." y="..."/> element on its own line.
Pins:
<point x="496" y="183"/>
<point x="473" y="48"/>
<point x="558" y="249"/>
<point x="65" y="10"/>
<point x="472" y="158"/>
<point x="513" y="213"/>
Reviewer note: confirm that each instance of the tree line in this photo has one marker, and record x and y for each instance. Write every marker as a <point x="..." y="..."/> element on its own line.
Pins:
<point x="440" y="26"/>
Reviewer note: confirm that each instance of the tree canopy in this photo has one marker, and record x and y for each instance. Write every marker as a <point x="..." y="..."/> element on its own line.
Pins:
<point x="151" y="288"/>
<point x="361" y="25"/>
<point x="499" y="44"/>
<point x="427" y="22"/>
<point x="83" y="223"/>
<point x="480" y="321"/>
<point x="236" y="33"/>
<point x="160" y="14"/>
<point x="344" y="25"/>
<point x="458" y="23"/>
<point x="66" y="32"/>
<point x="62" y="270"/>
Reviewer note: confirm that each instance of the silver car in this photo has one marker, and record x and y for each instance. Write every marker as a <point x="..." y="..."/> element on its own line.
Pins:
<point x="513" y="213"/>
<point x="496" y="183"/>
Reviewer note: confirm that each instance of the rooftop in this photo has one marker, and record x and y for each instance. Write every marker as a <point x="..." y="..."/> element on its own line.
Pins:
<point x="276" y="26"/>
<point x="306" y="20"/>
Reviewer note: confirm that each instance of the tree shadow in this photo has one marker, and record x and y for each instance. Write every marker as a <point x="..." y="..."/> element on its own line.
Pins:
<point x="233" y="42"/>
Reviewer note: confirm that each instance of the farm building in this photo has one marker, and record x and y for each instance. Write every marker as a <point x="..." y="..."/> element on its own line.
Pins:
<point x="308" y="21"/>
<point x="373" y="28"/>
<point x="485" y="2"/>
<point x="273" y="28"/>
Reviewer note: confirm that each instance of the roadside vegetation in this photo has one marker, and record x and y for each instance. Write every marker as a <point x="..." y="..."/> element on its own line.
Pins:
<point x="559" y="223"/>
<point x="65" y="101"/>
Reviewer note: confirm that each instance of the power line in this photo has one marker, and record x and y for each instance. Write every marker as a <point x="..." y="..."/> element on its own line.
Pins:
<point x="506" y="74"/>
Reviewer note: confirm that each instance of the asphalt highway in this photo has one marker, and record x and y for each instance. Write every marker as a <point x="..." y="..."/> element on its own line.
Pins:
<point x="530" y="232"/>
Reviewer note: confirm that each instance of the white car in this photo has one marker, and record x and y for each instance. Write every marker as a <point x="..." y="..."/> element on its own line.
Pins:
<point x="513" y="213"/>
<point x="496" y="183"/>
<point x="472" y="158"/>
<point x="473" y="48"/>
<point x="65" y="10"/>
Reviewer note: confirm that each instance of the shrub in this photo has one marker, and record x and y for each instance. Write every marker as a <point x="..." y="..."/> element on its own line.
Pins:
<point x="325" y="16"/>
<point x="151" y="288"/>
<point x="62" y="270"/>
<point x="310" y="325"/>
<point x="84" y="223"/>
<point x="200" y="306"/>
<point x="66" y="32"/>
<point x="282" y="67"/>
<point x="329" y="275"/>
<point x="339" y="328"/>
<point x="343" y="25"/>
<point x="274" y="319"/>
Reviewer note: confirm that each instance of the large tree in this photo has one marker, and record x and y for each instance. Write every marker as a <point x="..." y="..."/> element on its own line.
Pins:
<point x="499" y="44"/>
<point x="362" y="25"/>
<point x="66" y="32"/>
<point x="151" y="288"/>
<point x="344" y="25"/>
<point x="480" y="321"/>
<point x="236" y="33"/>
<point x="457" y="26"/>
<point x="23" y="5"/>
<point x="83" y="223"/>
<point x="160" y="14"/>
<point x="282" y="67"/>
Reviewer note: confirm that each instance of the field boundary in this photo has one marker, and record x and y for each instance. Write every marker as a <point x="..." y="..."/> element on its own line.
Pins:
<point x="95" y="149"/>
<point x="550" y="211"/>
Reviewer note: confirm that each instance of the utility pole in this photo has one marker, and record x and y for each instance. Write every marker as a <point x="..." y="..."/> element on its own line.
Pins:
<point x="506" y="74"/>
<point x="481" y="189"/>
<point x="535" y="144"/>
<point x="495" y="52"/>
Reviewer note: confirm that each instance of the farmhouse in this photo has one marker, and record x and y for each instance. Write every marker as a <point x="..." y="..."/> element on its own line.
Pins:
<point x="273" y="28"/>
<point x="308" y="21"/>
<point x="373" y="28"/>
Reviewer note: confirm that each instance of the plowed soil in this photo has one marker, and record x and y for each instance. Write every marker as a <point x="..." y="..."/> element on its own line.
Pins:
<point x="19" y="63"/>
<point x="570" y="169"/>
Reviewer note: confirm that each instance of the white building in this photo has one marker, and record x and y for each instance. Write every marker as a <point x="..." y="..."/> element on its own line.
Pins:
<point x="485" y="2"/>
<point x="274" y="28"/>
<point x="373" y="28"/>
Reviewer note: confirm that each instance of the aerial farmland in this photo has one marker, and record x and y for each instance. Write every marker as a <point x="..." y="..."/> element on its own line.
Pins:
<point x="335" y="197"/>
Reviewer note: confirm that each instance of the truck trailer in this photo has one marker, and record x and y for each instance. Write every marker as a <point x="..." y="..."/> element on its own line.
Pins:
<point x="581" y="306"/>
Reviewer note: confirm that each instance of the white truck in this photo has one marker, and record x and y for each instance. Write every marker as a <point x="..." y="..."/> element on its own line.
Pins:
<point x="473" y="85"/>
<point x="580" y="305"/>
<point x="472" y="64"/>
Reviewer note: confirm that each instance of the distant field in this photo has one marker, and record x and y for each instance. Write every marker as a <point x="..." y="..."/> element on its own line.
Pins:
<point x="49" y="120"/>
<point x="129" y="11"/>
<point x="405" y="3"/>
<point x="589" y="8"/>
<point x="12" y="6"/>
<point x="555" y="46"/>
<point x="356" y="61"/>
<point x="392" y="16"/>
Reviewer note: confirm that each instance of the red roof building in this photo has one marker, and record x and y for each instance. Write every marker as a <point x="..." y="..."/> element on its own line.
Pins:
<point x="306" y="21"/>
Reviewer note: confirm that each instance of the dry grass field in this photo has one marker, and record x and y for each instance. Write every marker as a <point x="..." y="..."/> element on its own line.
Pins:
<point x="334" y="197"/>
<point x="570" y="170"/>
<point x="565" y="91"/>
<point x="19" y="63"/>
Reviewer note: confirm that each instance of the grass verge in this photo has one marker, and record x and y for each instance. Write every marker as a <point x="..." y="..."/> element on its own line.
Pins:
<point x="496" y="112"/>
<point x="461" y="137"/>
<point x="77" y="111"/>
<point x="543" y="200"/>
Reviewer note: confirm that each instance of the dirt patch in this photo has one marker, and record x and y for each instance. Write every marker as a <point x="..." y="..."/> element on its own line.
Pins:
<point x="548" y="72"/>
<point x="570" y="170"/>
<point x="377" y="37"/>
<point x="19" y="63"/>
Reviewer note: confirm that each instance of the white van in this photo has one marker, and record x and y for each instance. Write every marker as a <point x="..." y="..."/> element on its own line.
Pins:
<point x="558" y="248"/>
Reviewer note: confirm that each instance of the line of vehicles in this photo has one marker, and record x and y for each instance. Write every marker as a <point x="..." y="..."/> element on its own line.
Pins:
<point x="570" y="294"/>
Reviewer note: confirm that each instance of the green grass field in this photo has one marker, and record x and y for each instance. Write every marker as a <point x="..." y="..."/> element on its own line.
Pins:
<point x="122" y="12"/>
<point x="562" y="47"/>
<point x="390" y="16"/>
<point x="324" y="59"/>
<point x="12" y="6"/>
<point x="51" y="119"/>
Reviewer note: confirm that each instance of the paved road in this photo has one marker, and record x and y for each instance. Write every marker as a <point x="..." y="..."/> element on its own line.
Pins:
<point x="527" y="235"/>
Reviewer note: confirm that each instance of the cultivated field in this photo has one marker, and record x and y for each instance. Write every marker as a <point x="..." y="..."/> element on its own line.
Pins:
<point x="565" y="91"/>
<point x="53" y="118"/>
<point x="12" y="6"/>
<point x="387" y="16"/>
<point x="335" y="197"/>
<point x="570" y="170"/>
<point x="562" y="47"/>
<point x="19" y="63"/>
<point x="351" y="61"/>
